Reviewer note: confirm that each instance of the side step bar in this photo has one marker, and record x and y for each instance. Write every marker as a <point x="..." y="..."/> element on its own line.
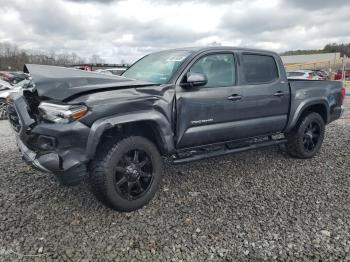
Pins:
<point x="227" y="151"/>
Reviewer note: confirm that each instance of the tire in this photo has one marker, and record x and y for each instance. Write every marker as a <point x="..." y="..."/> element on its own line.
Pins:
<point x="123" y="181"/>
<point x="306" y="139"/>
<point x="3" y="114"/>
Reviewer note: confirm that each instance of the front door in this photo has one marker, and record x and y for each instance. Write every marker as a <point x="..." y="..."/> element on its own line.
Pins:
<point x="205" y="114"/>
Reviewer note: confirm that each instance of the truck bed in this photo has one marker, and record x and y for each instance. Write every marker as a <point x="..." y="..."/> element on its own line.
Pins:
<point x="317" y="91"/>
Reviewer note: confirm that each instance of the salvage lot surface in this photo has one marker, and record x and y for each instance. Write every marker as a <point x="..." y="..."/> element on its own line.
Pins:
<point x="254" y="205"/>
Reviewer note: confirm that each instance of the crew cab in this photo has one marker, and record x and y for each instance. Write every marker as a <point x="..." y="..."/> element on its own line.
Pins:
<point x="183" y="105"/>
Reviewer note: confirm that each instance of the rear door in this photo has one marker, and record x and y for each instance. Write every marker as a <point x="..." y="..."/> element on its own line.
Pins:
<point x="265" y="93"/>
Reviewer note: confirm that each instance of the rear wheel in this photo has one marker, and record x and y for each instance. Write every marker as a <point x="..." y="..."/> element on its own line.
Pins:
<point x="128" y="176"/>
<point x="307" y="138"/>
<point x="3" y="114"/>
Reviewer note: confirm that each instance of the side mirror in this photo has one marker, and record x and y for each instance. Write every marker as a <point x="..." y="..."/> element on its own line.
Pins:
<point x="195" y="79"/>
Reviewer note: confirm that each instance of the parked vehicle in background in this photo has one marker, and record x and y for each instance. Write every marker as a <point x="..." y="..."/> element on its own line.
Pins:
<point x="18" y="77"/>
<point x="4" y="85"/>
<point x="112" y="71"/>
<point x="323" y="75"/>
<point x="13" y="77"/>
<point x="5" y="91"/>
<point x="303" y="74"/>
<point x="103" y="71"/>
<point x="339" y="74"/>
<point x="184" y="104"/>
<point x="115" y="69"/>
<point x="84" y="67"/>
<point x="5" y="76"/>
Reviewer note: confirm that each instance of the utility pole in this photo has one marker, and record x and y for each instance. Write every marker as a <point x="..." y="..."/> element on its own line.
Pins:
<point x="343" y="67"/>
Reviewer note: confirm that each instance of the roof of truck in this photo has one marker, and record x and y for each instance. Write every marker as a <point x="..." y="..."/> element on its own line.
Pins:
<point x="211" y="48"/>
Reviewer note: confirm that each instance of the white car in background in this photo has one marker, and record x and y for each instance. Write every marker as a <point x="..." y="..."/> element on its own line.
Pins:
<point x="5" y="90"/>
<point x="112" y="71"/>
<point x="4" y="85"/>
<point x="303" y="74"/>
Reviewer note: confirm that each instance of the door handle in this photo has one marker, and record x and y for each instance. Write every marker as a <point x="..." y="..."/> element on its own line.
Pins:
<point x="234" y="97"/>
<point x="279" y="94"/>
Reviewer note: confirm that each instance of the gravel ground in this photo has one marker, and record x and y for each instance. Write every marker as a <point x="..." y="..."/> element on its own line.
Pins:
<point x="251" y="206"/>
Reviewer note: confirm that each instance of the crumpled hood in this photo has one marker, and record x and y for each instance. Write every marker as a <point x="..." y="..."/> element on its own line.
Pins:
<point x="61" y="83"/>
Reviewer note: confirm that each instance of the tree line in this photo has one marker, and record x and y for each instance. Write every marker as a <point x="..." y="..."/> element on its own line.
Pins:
<point x="343" y="49"/>
<point x="13" y="58"/>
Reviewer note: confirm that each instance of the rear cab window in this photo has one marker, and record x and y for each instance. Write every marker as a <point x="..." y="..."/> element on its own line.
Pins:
<point x="259" y="69"/>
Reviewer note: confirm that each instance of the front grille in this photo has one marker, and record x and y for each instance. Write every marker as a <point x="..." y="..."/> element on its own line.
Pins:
<point x="14" y="118"/>
<point x="31" y="98"/>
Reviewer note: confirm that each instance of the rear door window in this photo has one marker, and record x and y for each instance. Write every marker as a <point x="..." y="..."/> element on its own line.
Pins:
<point x="259" y="69"/>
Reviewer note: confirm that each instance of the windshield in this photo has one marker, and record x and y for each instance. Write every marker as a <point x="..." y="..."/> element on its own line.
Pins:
<point x="158" y="67"/>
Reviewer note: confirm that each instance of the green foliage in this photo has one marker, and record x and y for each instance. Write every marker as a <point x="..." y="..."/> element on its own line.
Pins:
<point x="344" y="49"/>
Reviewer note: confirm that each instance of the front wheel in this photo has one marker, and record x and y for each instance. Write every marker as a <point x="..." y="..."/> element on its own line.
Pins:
<point x="306" y="139"/>
<point x="127" y="177"/>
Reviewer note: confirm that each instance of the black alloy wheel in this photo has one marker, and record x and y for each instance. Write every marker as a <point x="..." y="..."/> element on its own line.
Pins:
<point x="306" y="138"/>
<point x="126" y="176"/>
<point x="311" y="136"/>
<point x="134" y="174"/>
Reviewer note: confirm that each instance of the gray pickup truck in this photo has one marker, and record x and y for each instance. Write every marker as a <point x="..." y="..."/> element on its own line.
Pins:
<point x="184" y="105"/>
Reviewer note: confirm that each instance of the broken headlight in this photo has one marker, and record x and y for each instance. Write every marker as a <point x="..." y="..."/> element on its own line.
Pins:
<point x="59" y="113"/>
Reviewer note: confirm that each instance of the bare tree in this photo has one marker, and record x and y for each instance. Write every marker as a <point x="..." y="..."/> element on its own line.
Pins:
<point x="13" y="58"/>
<point x="96" y="59"/>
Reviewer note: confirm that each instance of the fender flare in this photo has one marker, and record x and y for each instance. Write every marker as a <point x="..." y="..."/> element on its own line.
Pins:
<point x="301" y="108"/>
<point x="101" y="125"/>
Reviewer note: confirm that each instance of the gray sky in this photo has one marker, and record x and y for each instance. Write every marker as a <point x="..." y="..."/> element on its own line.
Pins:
<point x="125" y="30"/>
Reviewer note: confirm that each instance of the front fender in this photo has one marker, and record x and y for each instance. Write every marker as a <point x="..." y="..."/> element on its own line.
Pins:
<point x="101" y="125"/>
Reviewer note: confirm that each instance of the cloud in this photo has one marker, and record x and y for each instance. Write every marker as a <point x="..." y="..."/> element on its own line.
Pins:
<point x="127" y="29"/>
<point x="51" y="18"/>
<point x="159" y="1"/>
<point x="311" y="5"/>
<point x="93" y="1"/>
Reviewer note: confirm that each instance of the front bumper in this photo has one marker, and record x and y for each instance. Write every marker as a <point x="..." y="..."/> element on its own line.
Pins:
<point x="51" y="162"/>
<point x="66" y="158"/>
<point x="30" y="156"/>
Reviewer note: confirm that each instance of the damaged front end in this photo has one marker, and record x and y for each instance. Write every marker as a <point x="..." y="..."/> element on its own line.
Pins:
<point x="46" y="122"/>
<point x="50" y="147"/>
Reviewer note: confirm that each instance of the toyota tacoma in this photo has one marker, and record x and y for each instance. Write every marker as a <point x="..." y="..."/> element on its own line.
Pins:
<point x="182" y="105"/>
